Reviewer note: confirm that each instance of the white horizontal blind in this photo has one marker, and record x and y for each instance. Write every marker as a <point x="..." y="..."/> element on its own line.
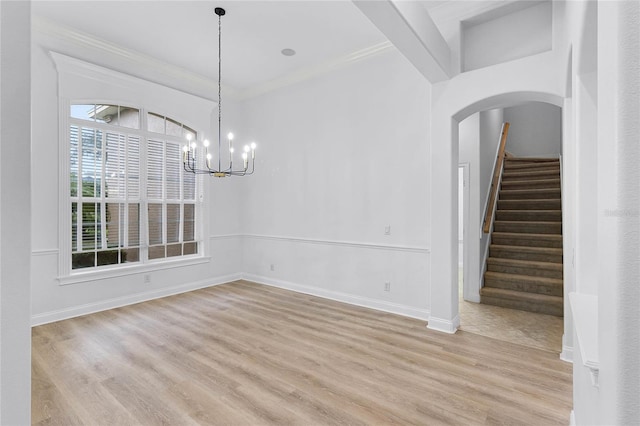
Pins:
<point x="105" y="197"/>
<point x="106" y="162"/>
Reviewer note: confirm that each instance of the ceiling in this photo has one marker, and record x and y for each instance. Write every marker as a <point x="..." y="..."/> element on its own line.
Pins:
<point x="184" y="33"/>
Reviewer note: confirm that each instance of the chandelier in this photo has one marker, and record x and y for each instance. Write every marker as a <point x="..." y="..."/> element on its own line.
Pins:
<point x="197" y="163"/>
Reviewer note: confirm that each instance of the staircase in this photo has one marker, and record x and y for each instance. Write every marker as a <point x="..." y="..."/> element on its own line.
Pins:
<point x="524" y="268"/>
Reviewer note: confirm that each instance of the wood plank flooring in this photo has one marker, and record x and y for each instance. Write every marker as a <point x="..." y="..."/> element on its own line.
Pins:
<point x="247" y="354"/>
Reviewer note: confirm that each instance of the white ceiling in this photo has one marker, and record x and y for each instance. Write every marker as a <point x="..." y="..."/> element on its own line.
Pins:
<point x="184" y="33"/>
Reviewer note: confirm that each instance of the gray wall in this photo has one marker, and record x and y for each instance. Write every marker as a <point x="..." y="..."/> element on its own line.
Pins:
<point x="536" y="130"/>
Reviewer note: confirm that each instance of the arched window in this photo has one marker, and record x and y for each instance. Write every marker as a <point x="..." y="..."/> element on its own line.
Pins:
<point x="131" y="201"/>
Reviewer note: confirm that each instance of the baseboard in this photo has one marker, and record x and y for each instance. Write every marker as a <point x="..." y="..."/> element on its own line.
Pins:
<point x="572" y="418"/>
<point x="567" y="354"/>
<point x="443" y="325"/>
<point x="90" y="308"/>
<point x="380" y="305"/>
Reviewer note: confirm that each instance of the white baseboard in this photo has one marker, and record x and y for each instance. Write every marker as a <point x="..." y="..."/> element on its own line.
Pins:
<point x="90" y="308"/>
<point x="572" y="418"/>
<point x="380" y="305"/>
<point x="567" y="354"/>
<point x="443" y="325"/>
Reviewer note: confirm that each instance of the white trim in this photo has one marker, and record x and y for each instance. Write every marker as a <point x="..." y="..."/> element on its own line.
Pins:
<point x="584" y="310"/>
<point x="443" y="325"/>
<point x="141" y="61"/>
<point x="45" y="252"/>
<point x="353" y="244"/>
<point x="89" y="308"/>
<point x="316" y="70"/>
<point x="123" y="270"/>
<point x="567" y="354"/>
<point x="380" y="305"/>
<point x="572" y="418"/>
<point x="225" y="236"/>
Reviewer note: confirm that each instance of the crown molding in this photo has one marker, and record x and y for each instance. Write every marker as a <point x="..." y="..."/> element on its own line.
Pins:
<point x="317" y="70"/>
<point x="63" y="39"/>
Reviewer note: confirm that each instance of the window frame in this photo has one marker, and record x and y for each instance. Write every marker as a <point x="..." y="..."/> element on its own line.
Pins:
<point x="68" y="275"/>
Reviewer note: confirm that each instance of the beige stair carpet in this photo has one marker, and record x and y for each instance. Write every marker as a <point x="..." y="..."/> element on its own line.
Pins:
<point x="524" y="268"/>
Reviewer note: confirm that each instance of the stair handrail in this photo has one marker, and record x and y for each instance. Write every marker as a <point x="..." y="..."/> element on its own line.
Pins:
<point x="495" y="182"/>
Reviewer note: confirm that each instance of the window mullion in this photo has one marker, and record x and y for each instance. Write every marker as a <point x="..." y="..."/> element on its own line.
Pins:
<point x="124" y="235"/>
<point x="103" y="194"/>
<point x="164" y="196"/>
<point x="144" y="199"/>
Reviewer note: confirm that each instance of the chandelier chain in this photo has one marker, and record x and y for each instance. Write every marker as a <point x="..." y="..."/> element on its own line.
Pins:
<point x="219" y="88"/>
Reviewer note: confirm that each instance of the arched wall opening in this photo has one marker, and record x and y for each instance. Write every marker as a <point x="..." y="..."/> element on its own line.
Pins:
<point x="536" y="130"/>
<point x="453" y="102"/>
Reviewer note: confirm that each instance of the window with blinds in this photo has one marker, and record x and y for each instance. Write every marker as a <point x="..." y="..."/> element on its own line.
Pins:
<point x="131" y="200"/>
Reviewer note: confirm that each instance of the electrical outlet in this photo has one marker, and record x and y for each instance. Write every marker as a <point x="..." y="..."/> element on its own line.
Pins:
<point x="273" y="267"/>
<point x="387" y="286"/>
<point x="387" y="230"/>
<point x="147" y="278"/>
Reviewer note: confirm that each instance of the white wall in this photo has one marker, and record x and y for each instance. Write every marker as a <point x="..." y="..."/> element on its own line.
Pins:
<point x="516" y="35"/>
<point x="15" y="212"/>
<point x="536" y="130"/>
<point x="345" y="156"/>
<point x="469" y="149"/>
<point x="479" y="137"/>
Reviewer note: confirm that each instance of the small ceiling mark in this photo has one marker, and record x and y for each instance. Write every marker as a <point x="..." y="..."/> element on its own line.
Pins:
<point x="288" y="52"/>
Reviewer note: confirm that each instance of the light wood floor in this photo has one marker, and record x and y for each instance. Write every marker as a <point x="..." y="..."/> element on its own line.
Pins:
<point x="247" y="354"/>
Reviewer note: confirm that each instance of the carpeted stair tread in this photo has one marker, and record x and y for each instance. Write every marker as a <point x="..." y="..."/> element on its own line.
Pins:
<point x="523" y="167"/>
<point x="531" y="175"/>
<point x="524" y="283"/>
<point x="538" y="254"/>
<point x="524" y="239"/>
<point x="529" y="194"/>
<point x="529" y="215"/>
<point x="530" y="184"/>
<point x="539" y="204"/>
<point x="533" y="302"/>
<point x="527" y="268"/>
<point x="528" y="227"/>
<point x="531" y="159"/>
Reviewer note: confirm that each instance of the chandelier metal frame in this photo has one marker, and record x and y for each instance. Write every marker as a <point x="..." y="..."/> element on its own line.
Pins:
<point x="190" y="158"/>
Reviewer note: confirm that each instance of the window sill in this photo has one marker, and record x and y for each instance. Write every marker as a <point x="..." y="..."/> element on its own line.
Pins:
<point x="121" y="271"/>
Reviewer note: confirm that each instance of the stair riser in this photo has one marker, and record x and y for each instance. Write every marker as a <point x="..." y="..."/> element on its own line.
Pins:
<point x="531" y="184"/>
<point x="545" y="194"/>
<point x="537" y="257"/>
<point x="523" y="270"/>
<point x="537" y="307"/>
<point x="535" y="216"/>
<point x="528" y="228"/>
<point x="529" y="204"/>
